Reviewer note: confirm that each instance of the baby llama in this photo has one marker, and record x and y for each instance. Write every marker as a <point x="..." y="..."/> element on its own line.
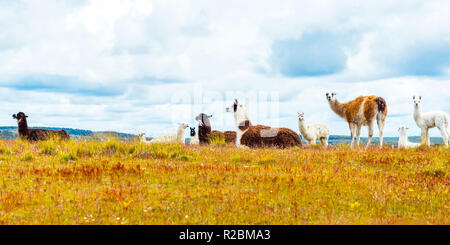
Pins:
<point x="313" y="132"/>
<point x="194" y="137"/>
<point x="249" y="136"/>
<point x="178" y="137"/>
<point x="428" y="120"/>
<point x="403" y="141"/>
<point x="364" y="110"/>
<point x="142" y="138"/>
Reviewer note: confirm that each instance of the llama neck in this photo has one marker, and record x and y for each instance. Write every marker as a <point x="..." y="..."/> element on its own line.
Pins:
<point x="403" y="138"/>
<point x="180" y="134"/>
<point x="338" y="108"/>
<point x="23" y="127"/>
<point x="240" y="116"/>
<point x="417" y="112"/>
<point x="302" y="126"/>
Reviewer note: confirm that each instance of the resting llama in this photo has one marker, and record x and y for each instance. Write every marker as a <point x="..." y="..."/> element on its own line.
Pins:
<point x="313" y="132"/>
<point x="260" y="136"/>
<point x="403" y="141"/>
<point x="178" y="137"/>
<point x="363" y="110"/>
<point x="194" y="137"/>
<point x="36" y="134"/>
<point x="429" y="120"/>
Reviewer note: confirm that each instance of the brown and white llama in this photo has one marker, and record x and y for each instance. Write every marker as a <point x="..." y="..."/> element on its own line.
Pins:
<point x="36" y="134"/>
<point x="364" y="110"/>
<point x="260" y="136"/>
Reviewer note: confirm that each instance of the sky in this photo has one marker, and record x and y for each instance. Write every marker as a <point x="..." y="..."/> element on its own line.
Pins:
<point x="144" y="65"/>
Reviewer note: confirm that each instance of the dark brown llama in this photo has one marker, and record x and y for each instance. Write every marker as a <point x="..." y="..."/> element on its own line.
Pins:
<point x="204" y="128"/>
<point x="36" y="134"/>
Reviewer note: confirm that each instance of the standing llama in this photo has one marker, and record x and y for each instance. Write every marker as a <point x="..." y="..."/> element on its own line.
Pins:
<point x="313" y="132"/>
<point x="194" y="137"/>
<point x="260" y="136"/>
<point x="204" y="128"/>
<point x="403" y="141"/>
<point x="363" y="110"/>
<point x="429" y="120"/>
<point x="177" y="137"/>
<point x="142" y="138"/>
<point x="36" y="134"/>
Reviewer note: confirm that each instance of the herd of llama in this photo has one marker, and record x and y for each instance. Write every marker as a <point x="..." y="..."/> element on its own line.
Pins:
<point x="362" y="111"/>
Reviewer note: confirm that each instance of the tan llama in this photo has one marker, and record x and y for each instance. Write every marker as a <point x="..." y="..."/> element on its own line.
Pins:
<point x="363" y="110"/>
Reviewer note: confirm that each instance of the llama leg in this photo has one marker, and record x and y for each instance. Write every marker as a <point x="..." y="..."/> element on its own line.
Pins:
<point x="423" y="136"/>
<point x="427" y="137"/>
<point x="358" y="133"/>
<point x="444" y="135"/>
<point x="369" y="140"/>
<point x="352" y="132"/>
<point x="380" y="123"/>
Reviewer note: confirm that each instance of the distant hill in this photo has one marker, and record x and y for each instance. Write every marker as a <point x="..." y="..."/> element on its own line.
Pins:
<point x="11" y="133"/>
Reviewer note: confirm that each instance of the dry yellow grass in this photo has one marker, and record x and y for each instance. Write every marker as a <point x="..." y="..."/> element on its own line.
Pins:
<point x="112" y="182"/>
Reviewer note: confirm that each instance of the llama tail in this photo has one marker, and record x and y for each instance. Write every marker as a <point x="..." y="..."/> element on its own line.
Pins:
<point x="382" y="107"/>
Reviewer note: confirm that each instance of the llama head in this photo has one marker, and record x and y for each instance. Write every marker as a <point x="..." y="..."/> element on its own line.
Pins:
<point x="331" y="96"/>
<point x="417" y="100"/>
<point x="183" y="126"/>
<point x="19" y="116"/>
<point x="203" y="119"/>
<point x="236" y="106"/>
<point x="192" y="132"/>
<point x="402" y="129"/>
<point x="301" y="116"/>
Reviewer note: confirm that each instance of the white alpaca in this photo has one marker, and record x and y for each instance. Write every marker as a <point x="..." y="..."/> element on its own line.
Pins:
<point x="178" y="137"/>
<point x="313" y="132"/>
<point x="403" y="141"/>
<point x="429" y="120"/>
<point x="142" y="138"/>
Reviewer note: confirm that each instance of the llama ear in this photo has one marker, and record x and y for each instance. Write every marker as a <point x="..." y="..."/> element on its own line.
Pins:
<point x="209" y="116"/>
<point x="420" y="97"/>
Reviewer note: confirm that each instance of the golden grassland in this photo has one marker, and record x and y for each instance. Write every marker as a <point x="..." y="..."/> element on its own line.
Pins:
<point x="113" y="182"/>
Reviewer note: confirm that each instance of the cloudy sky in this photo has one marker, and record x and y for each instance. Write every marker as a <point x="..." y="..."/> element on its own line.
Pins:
<point x="144" y="65"/>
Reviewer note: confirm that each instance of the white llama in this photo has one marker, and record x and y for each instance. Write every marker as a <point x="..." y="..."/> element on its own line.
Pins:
<point x="428" y="120"/>
<point x="142" y="138"/>
<point x="403" y="141"/>
<point x="313" y="132"/>
<point x="178" y="137"/>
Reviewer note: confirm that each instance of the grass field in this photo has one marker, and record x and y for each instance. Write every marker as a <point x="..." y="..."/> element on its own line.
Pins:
<point x="113" y="182"/>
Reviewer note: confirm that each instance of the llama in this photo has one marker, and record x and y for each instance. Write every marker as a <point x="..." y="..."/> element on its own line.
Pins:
<point x="204" y="128"/>
<point x="178" y="137"/>
<point x="313" y="132"/>
<point x="403" y="141"/>
<point x="194" y="137"/>
<point x="428" y="120"/>
<point x="363" y="110"/>
<point x="142" y="138"/>
<point x="249" y="136"/>
<point x="36" y="134"/>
